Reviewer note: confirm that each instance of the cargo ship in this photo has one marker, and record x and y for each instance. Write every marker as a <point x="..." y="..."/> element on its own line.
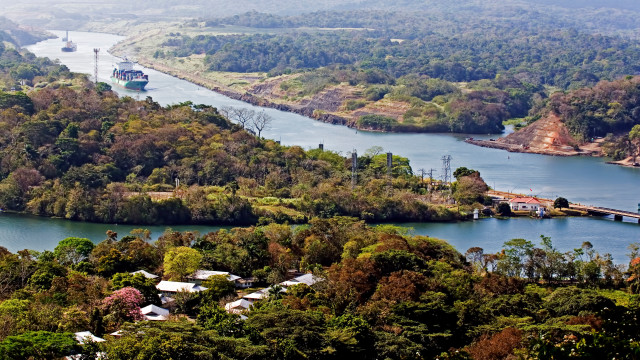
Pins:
<point x="70" y="46"/>
<point x="124" y="75"/>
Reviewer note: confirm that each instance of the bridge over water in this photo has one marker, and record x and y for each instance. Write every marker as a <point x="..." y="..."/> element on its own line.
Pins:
<point x="602" y="211"/>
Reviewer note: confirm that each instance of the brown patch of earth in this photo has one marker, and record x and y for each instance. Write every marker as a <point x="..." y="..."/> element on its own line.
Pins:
<point x="330" y="100"/>
<point x="631" y="161"/>
<point x="548" y="136"/>
<point x="154" y="195"/>
<point x="385" y="107"/>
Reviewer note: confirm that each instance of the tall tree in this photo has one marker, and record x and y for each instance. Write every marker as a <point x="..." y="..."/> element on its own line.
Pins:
<point x="180" y="262"/>
<point x="72" y="250"/>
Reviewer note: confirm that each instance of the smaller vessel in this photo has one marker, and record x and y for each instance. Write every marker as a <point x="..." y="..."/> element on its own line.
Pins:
<point x="124" y="75"/>
<point x="70" y="46"/>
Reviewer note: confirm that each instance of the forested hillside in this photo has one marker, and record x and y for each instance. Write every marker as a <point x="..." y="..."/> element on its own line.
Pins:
<point x="76" y="151"/>
<point x="611" y="109"/>
<point x="19" y="36"/>
<point x="449" y="48"/>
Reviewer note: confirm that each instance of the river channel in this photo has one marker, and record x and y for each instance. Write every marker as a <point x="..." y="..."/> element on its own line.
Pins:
<point x="580" y="179"/>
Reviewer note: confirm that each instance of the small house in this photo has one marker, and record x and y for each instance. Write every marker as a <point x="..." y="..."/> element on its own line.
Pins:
<point x="525" y="204"/>
<point x="169" y="288"/>
<point x="257" y="296"/>
<point x="238" y="306"/>
<point x="84" y="337"/>
<point x="148" y="275"/>
<point x="201" y="275"/>
<point x="154" y="313"/>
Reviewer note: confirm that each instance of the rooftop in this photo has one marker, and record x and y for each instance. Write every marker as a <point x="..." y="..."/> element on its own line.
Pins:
<point x="85" y="336"/>
<point x="205" y="274"/>
<point x="148" y="275"/>
<point x="528" y="200"/>
<point x="175" y="286"/>
<point x="238" y="304"/>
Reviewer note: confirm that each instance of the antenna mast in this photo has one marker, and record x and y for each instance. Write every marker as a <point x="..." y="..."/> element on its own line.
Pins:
<point x="95" y="64"/>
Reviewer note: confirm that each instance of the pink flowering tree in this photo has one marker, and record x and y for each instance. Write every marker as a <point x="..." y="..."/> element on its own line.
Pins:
<point x="123" y="305"/>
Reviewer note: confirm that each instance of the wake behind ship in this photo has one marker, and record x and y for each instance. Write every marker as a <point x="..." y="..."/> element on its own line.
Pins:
<point x="124" y="75"/>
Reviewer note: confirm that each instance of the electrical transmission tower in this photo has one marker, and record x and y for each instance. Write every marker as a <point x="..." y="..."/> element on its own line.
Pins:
<point x="95" y="64"/>
<point x="446" y="169"/>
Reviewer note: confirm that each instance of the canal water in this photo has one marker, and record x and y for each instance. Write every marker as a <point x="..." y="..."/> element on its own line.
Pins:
<point x="19" y="232"/>
<point x="584" y="180"/>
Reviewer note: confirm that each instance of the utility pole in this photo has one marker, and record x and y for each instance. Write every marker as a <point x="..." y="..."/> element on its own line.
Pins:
<point x="430" y="188"/>
<point x="421" y="171"/>
<point x="430" y="172"/>
<point x="95" y="64"/>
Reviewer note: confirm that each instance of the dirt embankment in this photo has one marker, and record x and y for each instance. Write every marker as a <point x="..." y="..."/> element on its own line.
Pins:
<point x="631" y="161"/>
<point x="548" y="136"/>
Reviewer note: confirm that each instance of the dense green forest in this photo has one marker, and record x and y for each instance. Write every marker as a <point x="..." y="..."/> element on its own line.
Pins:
<point x="452" y="73"/>
<point x="382" y="294"/>
<point x="434" y="46"/>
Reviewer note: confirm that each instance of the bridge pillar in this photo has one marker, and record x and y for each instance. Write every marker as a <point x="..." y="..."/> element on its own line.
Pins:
<point x="617" y="217"/>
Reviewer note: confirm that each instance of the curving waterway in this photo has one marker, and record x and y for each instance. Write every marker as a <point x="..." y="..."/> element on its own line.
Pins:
<point x="585" y="180"/>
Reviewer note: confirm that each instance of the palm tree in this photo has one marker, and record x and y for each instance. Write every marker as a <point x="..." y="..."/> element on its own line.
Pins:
<point x="275" y="292"/>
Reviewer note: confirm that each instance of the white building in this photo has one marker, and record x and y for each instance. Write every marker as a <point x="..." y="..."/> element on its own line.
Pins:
<point x="148" y="275"/>
<point x="525" y="204"/>
<point x="238" y="306"/>
<point x="83" y="337"/>
<point x="169" y="288"/>
<point x="154" y="313"/>
<point x="201" y="275"/>
<point x="257" y="296"/>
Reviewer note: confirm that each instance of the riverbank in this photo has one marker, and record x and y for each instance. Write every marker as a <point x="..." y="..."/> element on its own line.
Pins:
<point x="546" y="136"/>
<point x="628" y="162"/>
